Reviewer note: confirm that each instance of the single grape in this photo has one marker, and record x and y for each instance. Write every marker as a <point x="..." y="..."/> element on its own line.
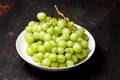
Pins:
<point x="46" y="62"/>
<point x="68" y="55"/>
<point x="52" y="57"/>
<point x="47" y="37"/>
<point x="29" y="38"/>
<point x="77" y="47"/>
<point x="61" y="58"/>
<point x="65" y="37"/>
<point x="69" y="63"/>
<point x="28" y="29"/>
<point x="31" y="23"/>
<point x="50" y="30"/>
<point x="54" y="50"/>
<point x="74" y="58"/>
<point x="54" y="64"/>
<point x="53" y="43"/>
<point x="38" y="57"/>
<point x="35" y="35"/>
<point x="47" y="46"/>
<point x="45" y="26"/>
<point x="41" y="16"/>
<point x="61" y="65"/>
<point x="57" y="30"/>
<point x="34" y="47"/>
<point x="84" y="43"/>
<point x="39" y="28"/>
<point x="73" y="37"/>
<point x="41" y="49"/>
<point x="46" y="55"/>
<point x="60" y="50"/>
<point x="61" y="23"/>
<point x="70" y="43"/>
<point x="29" y="51"/>
<point x="41" y="35"/>
<point x="62" y="44"/>
<point x="66" y="31"/>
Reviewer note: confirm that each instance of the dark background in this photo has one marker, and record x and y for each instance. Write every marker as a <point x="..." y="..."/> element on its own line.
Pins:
<point x="100" y="17"/>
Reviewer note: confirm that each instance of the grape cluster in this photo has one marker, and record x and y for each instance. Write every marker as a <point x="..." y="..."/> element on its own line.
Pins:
<point x="55" y="42"/>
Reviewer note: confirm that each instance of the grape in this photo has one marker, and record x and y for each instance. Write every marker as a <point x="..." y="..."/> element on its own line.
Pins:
<point x="29" y="51"/>
<point x="66" y="31"/>
<point x="53" y="57"/>
<point x="46" y="62"/>
<point x="34" y="47"/>
<point x="46" y="55"/>
<point x="47" y="46"/>
<point x="74" y="58"/>
<point x="70" y="43"/>
<point x="56" y="42"/>
<point x="77" y="47"/>
<point x="35" y="35"/>
<point x="41" y="49"/>
<point x="60" y="50"/>
<point x="73" y="37"/>
<point x="62" y="44"/>
<point x="84" y="43"/>
<point x="38" y="57"/>
<point x="45" y="26"/>
<point x="61" y="58"/>
<point x="47" y="37"/>
<point x="41" y="16"/>
<point x="61" y="23"/>
<point x="54" y="64"/>
<point x="69" y="63"/>
<point x="68" y="56"/>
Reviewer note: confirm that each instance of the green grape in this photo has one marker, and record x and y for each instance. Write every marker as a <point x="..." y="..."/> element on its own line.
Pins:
<point x="45" y="26"/>
<point x="65" y="37"/>
<point x="61" y="23"/>
<point x="29" y="37"/>
<point x="73" y="37"/>
<point x="29" y="51"/>
<point x="53" y="43"/>
<point x="52" y="57"/>
<point x="41" y="49"/>
<point x="39" y="43"/>
<point x="46" y="55"/>
<point x="70" y="43"/>
<point x="31" y="23"/>
<point x="58" y="39"/>
<point x="84" y="43"/>
<point x="62" y="44"/>
<point x="68" y="55"/>
<point x="47" y="37"/>
<point x="70" y="24"/>
<point x="80" y="55"/>
<point x="54" y="64"/>
<point x="57" y="30"/>
<point x="34" y="47"/>
<point x="50" y="30"/>
<point x="41" y="16"/>
<point x="35" y="35"/>
<point x="41" y="35"/>
<point x="46" y="62"/>
<point x="74" y="58"/>
<point x="79" y="39"/>
<point x="66" y="31"/>
<point x="39" y="28"/>
<point x="47" y="46"/>
<point x="61" y="58"/>
<point x="54" y="36"/>
<point x="54" y="23"/>
<point x="28" y="29"/>
<point x="54" y="50"/>
<point x="77" y="47"/>
<point x="34" y="28"/>
<point x="38" y="57"/>
<point x="80" y="31"/>
<point x="61" y="65"/>
<point x="69" y="63"/>
<point x="60" y="50"/>
<point x="85" y="37"/>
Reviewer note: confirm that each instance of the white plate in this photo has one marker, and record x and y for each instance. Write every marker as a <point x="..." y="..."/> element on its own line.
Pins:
<point x="21" y="49"/>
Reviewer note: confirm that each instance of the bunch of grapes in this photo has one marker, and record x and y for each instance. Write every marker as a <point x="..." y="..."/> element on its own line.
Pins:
<point x="55" y="42"/>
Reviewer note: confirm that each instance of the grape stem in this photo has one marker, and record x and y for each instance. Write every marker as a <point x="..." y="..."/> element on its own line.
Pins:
<point x="59" y="13"/>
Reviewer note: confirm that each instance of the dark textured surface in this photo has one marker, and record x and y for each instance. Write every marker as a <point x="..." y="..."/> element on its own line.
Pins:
<point x="101" y="18"/>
